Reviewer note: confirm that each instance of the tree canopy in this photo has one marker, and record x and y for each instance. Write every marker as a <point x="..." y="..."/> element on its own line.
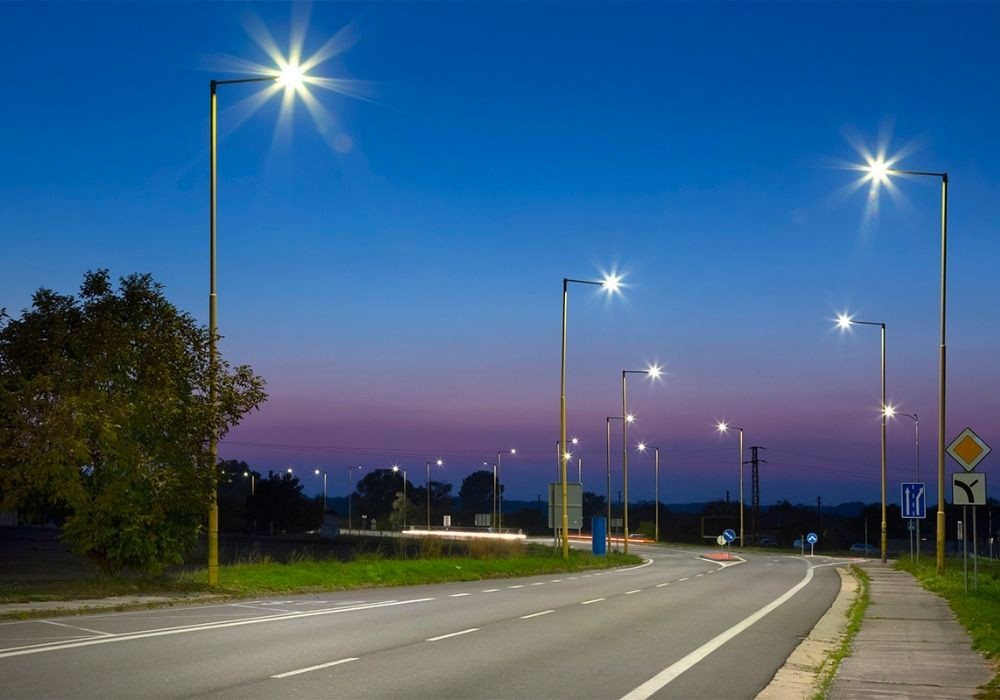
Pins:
<point x="104" y="410"/>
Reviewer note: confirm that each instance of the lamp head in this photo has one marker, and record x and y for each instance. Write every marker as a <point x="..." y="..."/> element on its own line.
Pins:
<point x="289" y="470"/>
<point x="630" y="418"/>
<point x="878" y="170"/>
<point x="654" y="371"/>
<point x="440" y="462"/>
<point x="611" y="283"/>
<point x="316" y="472"/>
<point x="513" y="450"/>
<point x="291" y="76"/>
<point x="395" y="467"/>
<point x="575" y="441"/>
<point x="889" y="411"/>
<point x="641" y="447"/>
<point x="844" y="321"/>
<point x="722" y="426"/>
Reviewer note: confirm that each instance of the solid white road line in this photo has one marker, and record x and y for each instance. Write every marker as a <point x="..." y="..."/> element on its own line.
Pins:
<point x="657" y="682"/>
<point x="127" y="637"/>
<point x="537" y="614"/>
<point x="453" y="634"/>
<point x="595" y="600"/>
<point x="296" y="672"/>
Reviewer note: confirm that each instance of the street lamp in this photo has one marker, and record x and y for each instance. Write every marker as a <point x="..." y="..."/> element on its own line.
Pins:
<point x="656" y="481"/>
<point x="653" y="372"/>
<point x="291" y="76"/>
<point x="350" y="495"/>
<point x="253" y="481"/>
<point x="512" y="451"/>
<point x="395" y="468"/>
<point x="438" y="462"/>
<point x="631" y="419"/>
<point x="890" y="411"/>
<point x="722" y="427"/>
<point x="844" y="322"/>
<point x="318" y="472"/>
<point x="879" y="171"/>
<point x="610" y="284"/>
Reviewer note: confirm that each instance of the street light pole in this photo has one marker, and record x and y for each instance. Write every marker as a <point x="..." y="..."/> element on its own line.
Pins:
<point x="890" y="412"/>
<point x="879" y="172"/>
<point x="438" y="463"/>
<point x="653" y="372"/>
<point x="395" y="468"/>
<point x="656" y="485"/>
<point x="290" y="75"/>
<point x="723" y="427"/>
<point x="609" y="284"/>
<point x="844" y="321"/>
<point x="317" y="472"/>
<point x="513" y="451"/>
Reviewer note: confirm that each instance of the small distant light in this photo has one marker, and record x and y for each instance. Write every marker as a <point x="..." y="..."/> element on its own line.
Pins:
<point x="513" y="450"/>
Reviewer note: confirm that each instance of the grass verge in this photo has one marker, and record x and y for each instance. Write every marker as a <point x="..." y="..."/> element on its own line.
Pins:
<point x="855" y="614"/>
<point x="436" y="563"/>
<point x="977" y="611"/>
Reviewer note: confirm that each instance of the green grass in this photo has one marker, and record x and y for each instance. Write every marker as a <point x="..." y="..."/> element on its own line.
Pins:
<point x="978" y="612"/>
<point x="309" y="575"/>
<point x="855" y="614"/>
<point x="437" y="563"/>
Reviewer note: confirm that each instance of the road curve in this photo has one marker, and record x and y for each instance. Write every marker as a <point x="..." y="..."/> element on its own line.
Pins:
<point x="676" y="626"/>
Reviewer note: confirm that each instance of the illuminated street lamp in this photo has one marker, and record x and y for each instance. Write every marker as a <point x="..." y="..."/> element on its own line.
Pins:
<point x="722" y="427"/>
<point x="610" y="284"/>
<point x="318" y="472"/>
<point x="844" y="322"/>
<point x="879" y="171"/>
<point x="499" y="494"/>
<point x="439" y="463"/>
<point x="631" y="419"/>
<point x="395" y="468"/>
<point x="253" y="481"/>
<point x="656" y="481"/>
<point x="653" y="372"/>
<point x="291" y="77"/>
<point x="350" y="493"/>
<point x="890" y="412"/>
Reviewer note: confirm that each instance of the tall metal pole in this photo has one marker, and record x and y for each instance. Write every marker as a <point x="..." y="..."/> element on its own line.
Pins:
<point x="493" y="517"/>
<point x="608" y="533"/>
<point x="499" y="496"/>
<point x="562" y="426"/>
<point x="428" y="496"/>
<point x="741" y="488"/>
<point x="885" y="542"/>
<point x="943" y="371"/>
<point x="350" y="489"/>
<point x="404" y="499"/>
<point x="656" y="488"/>
<point x="625" y="460"/>
<point x="213" y="451"/>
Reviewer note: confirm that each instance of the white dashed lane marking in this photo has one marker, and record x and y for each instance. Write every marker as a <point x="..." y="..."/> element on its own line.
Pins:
<point x="638" y="590"/>
<point x="313" y="668"/>
<point x="595" y="600"/>
<point x="537" y="614"/>
<point x="453" y="634"/>
<point x="459" y="595"/>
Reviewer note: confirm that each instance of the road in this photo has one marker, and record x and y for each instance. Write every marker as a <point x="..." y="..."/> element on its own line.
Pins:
<point x="677" y="626"/>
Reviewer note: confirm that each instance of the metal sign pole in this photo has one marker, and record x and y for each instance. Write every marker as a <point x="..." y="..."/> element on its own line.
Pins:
<point x="965" y="550"/>
<point x="975" y="552"/>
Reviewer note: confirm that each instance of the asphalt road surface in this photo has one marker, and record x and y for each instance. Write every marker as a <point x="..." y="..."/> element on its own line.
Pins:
<point x="677" y="626"/>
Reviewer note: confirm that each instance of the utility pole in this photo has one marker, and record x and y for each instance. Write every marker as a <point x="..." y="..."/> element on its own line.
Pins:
<point x="819" y="512"/>
<point x="755" y="490"/>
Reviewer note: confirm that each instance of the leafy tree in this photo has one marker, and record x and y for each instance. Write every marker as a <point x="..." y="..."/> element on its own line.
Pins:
<point x="234" y="494"/>
<point x="593" y="504"/>
<point x="440" y="501"/>
<point x="104" y="411"/>
<point x="476" y="493"/>
<point x="376" y="492"/>
<point x="280" y="506"/>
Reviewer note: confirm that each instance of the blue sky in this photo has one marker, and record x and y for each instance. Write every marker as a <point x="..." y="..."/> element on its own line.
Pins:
<point x="394" y="268"/>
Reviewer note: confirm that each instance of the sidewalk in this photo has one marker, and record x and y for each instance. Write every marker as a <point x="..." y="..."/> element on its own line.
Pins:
<point x="909" y="645"/>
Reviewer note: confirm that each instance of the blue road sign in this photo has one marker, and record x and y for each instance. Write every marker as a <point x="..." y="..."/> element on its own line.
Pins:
<point x="812" y="538"/>
<point x="914" y="498"/>
<point x="729" y="534"/>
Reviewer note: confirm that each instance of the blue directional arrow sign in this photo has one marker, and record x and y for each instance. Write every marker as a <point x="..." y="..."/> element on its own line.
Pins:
<point x="914" y="498"/>
<point x="729" y="534"/>
<point x="812" y="538"/>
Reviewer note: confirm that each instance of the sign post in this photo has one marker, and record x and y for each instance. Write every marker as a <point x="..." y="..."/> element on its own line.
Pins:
<point x="812" y="538"/>
<point x="969" y="489"/>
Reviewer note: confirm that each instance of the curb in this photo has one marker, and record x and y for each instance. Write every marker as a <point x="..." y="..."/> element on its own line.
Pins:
<point x="800" y="676"/>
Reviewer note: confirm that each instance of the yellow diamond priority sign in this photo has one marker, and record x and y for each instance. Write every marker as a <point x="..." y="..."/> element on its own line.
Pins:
<point x="968" y="449"/>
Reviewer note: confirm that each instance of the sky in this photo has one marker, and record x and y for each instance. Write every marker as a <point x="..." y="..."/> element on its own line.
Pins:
<point x="392" y="245"/>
